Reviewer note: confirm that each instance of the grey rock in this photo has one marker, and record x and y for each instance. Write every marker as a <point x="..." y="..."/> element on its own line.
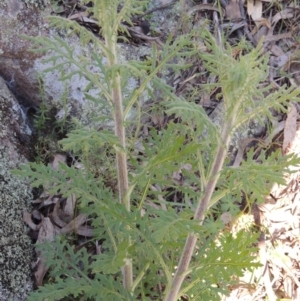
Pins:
<point x="16" y="251"/>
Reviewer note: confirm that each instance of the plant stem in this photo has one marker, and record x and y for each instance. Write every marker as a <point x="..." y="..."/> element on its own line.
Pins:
<point x="122" y="169"/>
<point x="121" y="160"/>
<point x="191" y="240"/>
<point x="120" y="133"/>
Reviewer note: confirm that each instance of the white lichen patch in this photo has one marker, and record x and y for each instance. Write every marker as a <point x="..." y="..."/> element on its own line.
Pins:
<point x="36" y="3"/>
<point x="16" y="250"/>
<point x="15" y="247"/>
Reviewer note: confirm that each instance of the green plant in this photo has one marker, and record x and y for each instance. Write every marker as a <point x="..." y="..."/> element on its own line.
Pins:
<point x="41" y="118"/>
<point x="143" y="234"/>
<point x="50" y="124"/>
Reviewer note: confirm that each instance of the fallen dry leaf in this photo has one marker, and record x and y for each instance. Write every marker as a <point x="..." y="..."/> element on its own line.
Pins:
<point x="46" y="233"/>
<point x="27" y="219"/>
<point x="78" y="15"/>
<point x="254" y="9"/>
<point x="49" y="201"/>
<point x="55" y="216"/>
<point x="70" y="205"/>
<point x="74" y="224"/>
<point x="58" y="158"/>
<point x="284" y="14"/>
<point x="289" y="144"/>
<point x="262" y="22"/>
<point x="232" y="10"/>
<point x="85" y="231"/>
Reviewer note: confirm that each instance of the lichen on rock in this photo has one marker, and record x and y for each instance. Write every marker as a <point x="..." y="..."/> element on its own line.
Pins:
<point x="37" y="3"/>
<point x="16" y="250"/>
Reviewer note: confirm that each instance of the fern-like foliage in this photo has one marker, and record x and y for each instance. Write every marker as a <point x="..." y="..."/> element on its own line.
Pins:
<point x="229" y="257"/>
<point x="77" y="278"/>
<point x="152" y="232"/>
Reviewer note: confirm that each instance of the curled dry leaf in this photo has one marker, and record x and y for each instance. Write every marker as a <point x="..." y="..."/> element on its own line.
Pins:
<point x="262" y="22"/>
<point x="49" y="201"/>
<point x="58" y="158"/>
<point x="254" y="9"/>
<point x="284" y="14"/>
<point x="55" y="216"/>
<point x="46" y="232"/>
<point x="70" y="206"/>
<point x="74" y="224"/>
<point x="27" y="219"/>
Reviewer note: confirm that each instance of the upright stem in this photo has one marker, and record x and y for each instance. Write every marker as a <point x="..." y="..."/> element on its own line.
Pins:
<point x="120" y="133"/>
<point x="121" y="160"/>
<point x="191" y="240"/>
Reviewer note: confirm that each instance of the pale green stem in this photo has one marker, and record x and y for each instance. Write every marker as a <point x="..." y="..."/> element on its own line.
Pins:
<point x="122" y="169"/>
<point x="191" y="240"/>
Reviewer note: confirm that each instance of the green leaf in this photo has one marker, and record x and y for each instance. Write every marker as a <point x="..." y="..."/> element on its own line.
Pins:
<point x="170" y="226"/>
<point x="85" y="139"/>
<point x="111" y="263"/>
<point x="229" y="255"/>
